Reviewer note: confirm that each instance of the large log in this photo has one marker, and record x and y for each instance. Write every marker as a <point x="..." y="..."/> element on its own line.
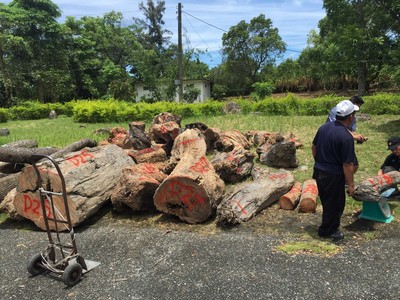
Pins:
<point x="136" y="187"/>
<point x="290" y="200"/>
<point x="308" y="198"/>
<point x="244" y="202"/>
<point x="281" y="155"/>
<point x="193" y="190"/>
<point x="73" y="147"/>
<point x="371" y="188"/>
<point x="7" y="205"/>
<point x="120" y="137"/>
<point x="230" y="139"/>
<point x="90" y="176"/>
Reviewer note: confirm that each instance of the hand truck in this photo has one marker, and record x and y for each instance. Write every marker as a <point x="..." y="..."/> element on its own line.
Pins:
<point x="60" y="257"/>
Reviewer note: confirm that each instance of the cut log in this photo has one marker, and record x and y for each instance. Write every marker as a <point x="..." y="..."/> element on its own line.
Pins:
<point x="281" y="155"/>
<point x="308" y="198"/>
<point x="211" y="135"/>
<point x="90" y="176"/>
<point x="20" y="155"/>
<point x="23" y="144"/>
<point x="166" y="117"/>
<point x="136" y="187"/>
<point x="138" y="136"/>
<point x="7" y="184"/>
<point x="233" y="166"/>
<point x="120" y="137"/>
<point x="10" y="168"/>
<point x="290" y="200"/>
<point x="149" y="155"/>
<point x="193" y="190"/>
<point x="259" y="138"/>
<point x="245" y="202"/>
<point x="370" y="189"/>
<point x="230" y="139"/>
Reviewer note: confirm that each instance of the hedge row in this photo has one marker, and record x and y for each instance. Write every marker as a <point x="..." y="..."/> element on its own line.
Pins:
<point x="99" y="111"/>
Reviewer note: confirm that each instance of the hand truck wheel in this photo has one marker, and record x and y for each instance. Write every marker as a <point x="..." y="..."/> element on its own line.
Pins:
<point x="72" y="274"/>
<point x="35" y="266"/>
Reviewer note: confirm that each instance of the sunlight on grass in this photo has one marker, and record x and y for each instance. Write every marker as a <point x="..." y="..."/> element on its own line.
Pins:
<point x="309" y="247"/>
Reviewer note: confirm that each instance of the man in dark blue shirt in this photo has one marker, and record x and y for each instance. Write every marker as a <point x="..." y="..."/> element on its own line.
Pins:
<point x="335" y="165"/>
<point x="392" y="162"/>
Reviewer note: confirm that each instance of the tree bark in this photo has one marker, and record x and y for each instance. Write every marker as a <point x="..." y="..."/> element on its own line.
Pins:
<point x="138" y="136"/>
<point x="7" y="184"/>
<point x="23" y="144"/>
<point x="245" y="202"/>
<point x="21" y="155"/>
<point x="193" y="190"/>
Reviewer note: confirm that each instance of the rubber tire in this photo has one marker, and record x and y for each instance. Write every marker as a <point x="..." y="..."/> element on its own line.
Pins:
<point x="72" y="274"/>
<point x="34" y="266"/>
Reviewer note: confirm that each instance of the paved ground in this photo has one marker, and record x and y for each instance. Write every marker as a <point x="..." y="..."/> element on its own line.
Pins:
<point x="156" y="257"/>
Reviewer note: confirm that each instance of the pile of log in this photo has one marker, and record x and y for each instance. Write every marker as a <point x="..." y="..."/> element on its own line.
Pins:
<point x="304" y="196"/>
<point x="178" y="171"/>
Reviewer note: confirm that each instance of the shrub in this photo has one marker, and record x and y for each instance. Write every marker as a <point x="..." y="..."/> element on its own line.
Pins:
<point x="4" y="115"/>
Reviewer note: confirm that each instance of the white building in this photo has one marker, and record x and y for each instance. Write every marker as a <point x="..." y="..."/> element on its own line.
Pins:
<point x="202" y="84"/>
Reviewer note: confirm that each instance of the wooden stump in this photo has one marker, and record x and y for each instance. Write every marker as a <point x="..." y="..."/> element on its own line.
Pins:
<point x="246" y="201"/>
<point x="308" y="198"/>
<point x="370" y="189"/>
<point x="281" y="155"/>
<point x="230" y="139"/>
<point x="149" y="155"/>
<point x="120" y="137"/>
<point x="8" y="183"/>
<point x="90" y="176"/>
<point x="136" y="187"/>
<point x="193" y="190"/>
<point x="290" y="200"/>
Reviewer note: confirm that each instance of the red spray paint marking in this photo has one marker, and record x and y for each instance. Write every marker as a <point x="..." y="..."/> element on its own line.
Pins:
<point x="145" y="151"/>
<point x="185" y="194"/>
<point x="34" y="206"/>
<point x="240" y="206"/>
<point x="311" y="189"/>
<point x="79" y="159"/>
<point x="186" y="142"/>
<point x="202" y="166"/>
<point x="277" y="176"/>
<point x="47" y="171"/>
<point x="163" y="129"/>
<point x="148" y="168"/>
<point x="380" y="180"/>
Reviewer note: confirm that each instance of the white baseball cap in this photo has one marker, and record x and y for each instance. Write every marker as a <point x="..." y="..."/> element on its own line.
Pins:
<point x="345" y="108"/>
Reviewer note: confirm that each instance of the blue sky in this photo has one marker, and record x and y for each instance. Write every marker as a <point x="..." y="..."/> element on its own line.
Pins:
<point x="205" y="21"/>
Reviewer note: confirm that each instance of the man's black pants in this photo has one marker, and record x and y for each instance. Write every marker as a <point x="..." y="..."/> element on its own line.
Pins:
<point x="333" y="198"/>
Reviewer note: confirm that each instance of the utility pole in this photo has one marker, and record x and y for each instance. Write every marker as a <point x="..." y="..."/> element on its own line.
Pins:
<point x="180" y="53"/>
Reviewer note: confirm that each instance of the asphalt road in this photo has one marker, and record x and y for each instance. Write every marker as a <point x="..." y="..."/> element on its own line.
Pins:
<point x="153" y="262"/>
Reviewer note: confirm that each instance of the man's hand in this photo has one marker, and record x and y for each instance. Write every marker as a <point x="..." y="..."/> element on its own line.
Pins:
<point x="359" y="138"/>
<point x="350" y="190"/>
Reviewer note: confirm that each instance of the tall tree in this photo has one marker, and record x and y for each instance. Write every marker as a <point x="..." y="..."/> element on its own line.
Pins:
<point x="357" y="31"/>
<point x="249" y="47"/>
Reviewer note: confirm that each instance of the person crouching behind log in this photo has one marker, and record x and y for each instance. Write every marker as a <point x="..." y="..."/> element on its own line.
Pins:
<point x="334" y="167"/>
<point x="392" y="161"/>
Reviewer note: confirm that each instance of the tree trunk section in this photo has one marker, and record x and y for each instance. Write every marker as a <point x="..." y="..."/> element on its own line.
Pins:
<point x="308" y="198"/>
<point x="21" y="155"/>
<point x="136" y="187"/>
<point x="290" y="200"/>
<point x="138" y="136"/>
<point x="90" y="176"/>
<point x="370" y="189"/>
<point x="7" y="184"/>
<point x="23" y="144"/>
<point x="193" y="190"/>
<point x="245" y="202"/>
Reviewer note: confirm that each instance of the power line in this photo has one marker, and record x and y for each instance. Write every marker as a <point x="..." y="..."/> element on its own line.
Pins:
<point x="209" y="24"/>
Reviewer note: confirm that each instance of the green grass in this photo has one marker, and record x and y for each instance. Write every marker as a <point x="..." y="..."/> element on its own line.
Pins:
<point x="63" y="131"/>
<point x="309" y="247"/>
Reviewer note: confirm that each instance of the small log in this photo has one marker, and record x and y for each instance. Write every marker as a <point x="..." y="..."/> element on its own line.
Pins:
<point x="136" y="187"/>
<point x="233" y="166"/>
<point x="211" y="135"/>
<point x="371" y="188"/>
<point x="193" y="190"/>
<point x="20" y="155"/>
<point x="73" y="147"/>
<point x="10" y="168"/>
<point x="90" y="176"/>
<point x="290" y="200"/>
<point x="259" y="138"/>
<point x="23" y="144"/>
<point x="7" y="206"/>
<point x="138" y="136"/>
<point x="245" y="202"/>
<point x="120" y="137"/>
<point x="308" y="198"/>
<point x="150" y="155"/>
<point x="166" y="117"/>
